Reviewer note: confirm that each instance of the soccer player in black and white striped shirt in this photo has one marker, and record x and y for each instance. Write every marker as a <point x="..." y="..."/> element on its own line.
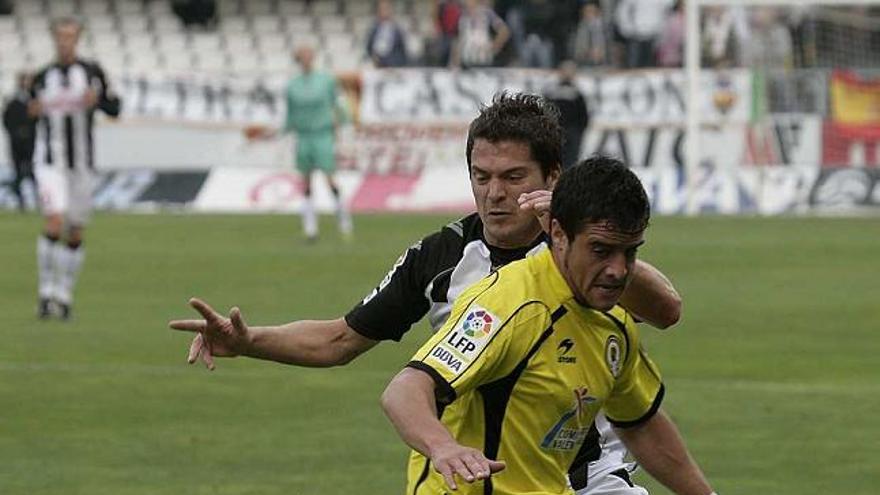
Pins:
<point x="66" y="94"/>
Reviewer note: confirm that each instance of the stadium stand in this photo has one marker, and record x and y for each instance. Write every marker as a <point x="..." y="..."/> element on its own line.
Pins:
<point x="133" y="36"/>
<point x="806" y="67"/>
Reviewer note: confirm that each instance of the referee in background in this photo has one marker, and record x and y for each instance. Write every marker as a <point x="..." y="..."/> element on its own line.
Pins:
<point x="65" y="95"/>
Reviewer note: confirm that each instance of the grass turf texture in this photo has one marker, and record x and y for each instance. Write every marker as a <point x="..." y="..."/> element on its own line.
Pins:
<point x="772" y="375"/>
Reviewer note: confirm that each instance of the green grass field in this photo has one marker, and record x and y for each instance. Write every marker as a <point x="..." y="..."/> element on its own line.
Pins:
<point x="772" y="375"/>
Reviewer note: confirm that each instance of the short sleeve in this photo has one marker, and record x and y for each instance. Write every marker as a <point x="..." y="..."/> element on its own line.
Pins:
<point x="399" y="301"/>
<point x="638" y="391"/>
<point x="108" y="102"/>
<point x="98" y="73"/>
<point x="476" y="345"/>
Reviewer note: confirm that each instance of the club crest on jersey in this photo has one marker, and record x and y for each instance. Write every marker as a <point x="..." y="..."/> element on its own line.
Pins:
<point x="465" y="341"/>
<point x="613" y="356"/>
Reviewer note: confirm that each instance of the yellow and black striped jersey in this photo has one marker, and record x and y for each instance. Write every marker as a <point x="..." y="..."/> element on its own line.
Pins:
<point x="521" y="369"/>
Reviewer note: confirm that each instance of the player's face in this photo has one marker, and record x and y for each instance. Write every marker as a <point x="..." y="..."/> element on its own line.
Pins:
<point x="384" y="10"/>
<point x="305" y="57"/>
<point x="66" y="37"/>
<point x="597" y="263"/>
<point x="500" y="172"/>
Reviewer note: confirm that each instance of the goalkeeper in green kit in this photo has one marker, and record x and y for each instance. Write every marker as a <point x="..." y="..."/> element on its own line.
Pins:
<point x="313" y="113"/>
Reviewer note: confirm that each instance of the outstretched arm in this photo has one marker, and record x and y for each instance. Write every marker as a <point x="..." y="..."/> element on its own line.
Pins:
<point x="409" y="403"/>
<point x="660" y="450"/>
<point x="311" y="343"/>
<point x="651" y="297"/>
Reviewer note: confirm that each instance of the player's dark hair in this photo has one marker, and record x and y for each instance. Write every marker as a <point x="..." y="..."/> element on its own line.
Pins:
<point x="600" y="189"/>
<point x="521" y="117"/>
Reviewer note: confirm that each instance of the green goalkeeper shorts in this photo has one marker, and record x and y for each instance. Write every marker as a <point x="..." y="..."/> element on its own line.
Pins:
<point x="315" y="151"/>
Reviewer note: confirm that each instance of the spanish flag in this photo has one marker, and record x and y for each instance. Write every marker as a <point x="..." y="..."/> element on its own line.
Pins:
<point x="854" y="100"/>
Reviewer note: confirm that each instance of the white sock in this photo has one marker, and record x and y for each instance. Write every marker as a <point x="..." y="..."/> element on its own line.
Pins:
<point x="309" y="218"/>
<point x="344" y="217"/>
<point x="68" y="262"/>
<point x="46" y="266"/>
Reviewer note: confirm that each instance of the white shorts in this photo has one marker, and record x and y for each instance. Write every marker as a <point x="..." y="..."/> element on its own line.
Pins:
<point x="612" y="483"/>
<point x="65" y="192"/>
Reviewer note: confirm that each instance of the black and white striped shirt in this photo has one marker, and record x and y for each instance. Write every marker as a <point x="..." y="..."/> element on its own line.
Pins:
<point x="428" y="277"/>
<point x="65" y="128"/>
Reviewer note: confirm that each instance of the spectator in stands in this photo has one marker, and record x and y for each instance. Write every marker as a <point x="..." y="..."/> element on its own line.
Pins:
<point x="723" y="33"/>
<point x="670" y="46"/>
<point x="799" y="20"/>
<point x="769" y="45"/>
<point x="386" y="43"/>
<point x="540" y="17"/>
<point x="573" y="113"/>
<point x="21" y="127"/>
<point x="568" y="13"/>
<point x="196" y="12"/>
<point x="446" y="14"/>
<point x="512" y="13"/>
<point x="589" y="42"/>
<point x="481" y="36"/>
<point x="640" y="22"/>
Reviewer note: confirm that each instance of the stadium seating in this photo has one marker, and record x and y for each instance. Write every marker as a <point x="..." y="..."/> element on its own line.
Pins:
<point x="256" y="36"/>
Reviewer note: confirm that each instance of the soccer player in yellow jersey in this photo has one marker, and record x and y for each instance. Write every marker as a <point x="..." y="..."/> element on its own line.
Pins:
<point x="504" y="394"/>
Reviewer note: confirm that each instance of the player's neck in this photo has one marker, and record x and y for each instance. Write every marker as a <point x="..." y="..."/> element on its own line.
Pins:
<point x="66" y="59"/>
<point x="525" y="241"/>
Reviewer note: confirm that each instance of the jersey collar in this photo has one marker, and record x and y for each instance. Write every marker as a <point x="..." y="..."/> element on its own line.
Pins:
<point x="502" y="256"/>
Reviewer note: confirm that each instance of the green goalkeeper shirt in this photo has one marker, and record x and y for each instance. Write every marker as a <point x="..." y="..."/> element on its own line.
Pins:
<point x="311" y="103"/>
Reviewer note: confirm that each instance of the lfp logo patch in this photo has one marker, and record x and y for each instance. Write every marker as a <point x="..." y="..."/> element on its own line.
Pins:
<point x="463" y="343"/>
<point x="478" y="324"/>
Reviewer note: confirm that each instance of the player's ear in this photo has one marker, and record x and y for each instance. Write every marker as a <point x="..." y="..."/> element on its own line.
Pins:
<point x="552" y="177"/>
<point x="557" y="235"/>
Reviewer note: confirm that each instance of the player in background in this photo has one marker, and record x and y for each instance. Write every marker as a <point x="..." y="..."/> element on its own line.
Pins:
<point x="502" y="396"/>
<point x="65" y="95"/>
<point x="513" y="153"/>
<point x="314" y="114"/>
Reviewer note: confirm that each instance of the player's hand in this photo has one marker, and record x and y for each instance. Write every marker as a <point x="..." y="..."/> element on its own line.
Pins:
<point x="258" y="132"/>
<point x="216" y="335"/>
<point x="539" y="203"/>
<point x="469" y="464"/>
